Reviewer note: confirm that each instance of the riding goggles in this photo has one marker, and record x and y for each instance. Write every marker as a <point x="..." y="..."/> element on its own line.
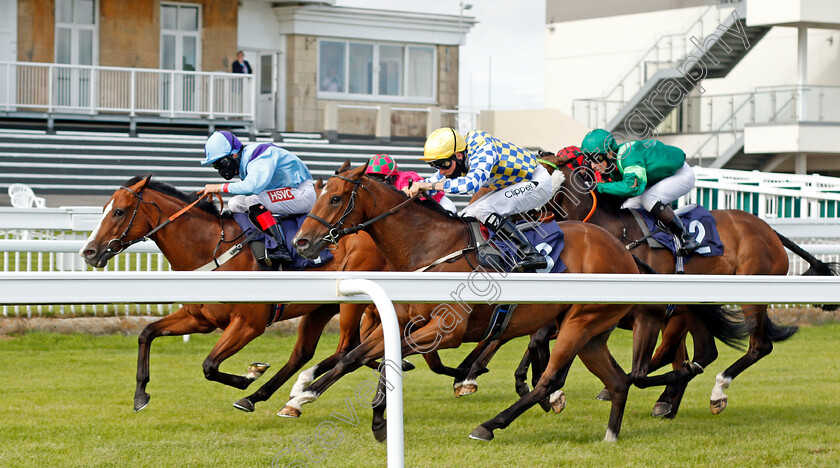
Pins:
<point x="442" y="164"/>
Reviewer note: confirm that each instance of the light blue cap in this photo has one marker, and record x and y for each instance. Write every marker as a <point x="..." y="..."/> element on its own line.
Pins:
<point x="219" y="145"/>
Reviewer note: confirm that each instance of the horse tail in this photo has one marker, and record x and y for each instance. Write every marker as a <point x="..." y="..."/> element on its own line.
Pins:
<point x="778" y="332"/>
<point x="817" y="267"/>
<point x="729" y="326"/>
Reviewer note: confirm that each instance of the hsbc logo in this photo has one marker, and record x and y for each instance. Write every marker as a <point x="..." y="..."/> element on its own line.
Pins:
<point x="282" y="194"/>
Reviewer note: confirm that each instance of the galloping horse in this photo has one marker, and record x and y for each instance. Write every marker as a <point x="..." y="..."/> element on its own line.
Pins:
<point x="750" y="247"/>
<point x="412" y="235"/>
<point x="141" y="205"/>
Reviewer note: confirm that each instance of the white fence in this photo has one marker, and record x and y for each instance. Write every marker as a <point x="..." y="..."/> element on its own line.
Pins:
<point x="383" y="288"/>
<point x="52" y="87"/>
<point x="803" y="208"/>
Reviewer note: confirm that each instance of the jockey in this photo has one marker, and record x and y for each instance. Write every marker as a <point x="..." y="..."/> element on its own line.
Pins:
<point x="383" y="168"/>
<point x="273" y="180"/>
<point x="518" y="181"/>
<point x="651" y="173"/>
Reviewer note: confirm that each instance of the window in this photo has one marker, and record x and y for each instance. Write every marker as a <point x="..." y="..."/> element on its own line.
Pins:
<point x="180" y="44"/>
<point x="394" y="72"/>
<point x="75" y="27"/>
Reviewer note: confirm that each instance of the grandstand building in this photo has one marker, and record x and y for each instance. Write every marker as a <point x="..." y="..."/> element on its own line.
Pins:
<point x="317" y="67"/>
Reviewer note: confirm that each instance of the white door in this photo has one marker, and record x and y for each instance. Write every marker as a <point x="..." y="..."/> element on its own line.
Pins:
<point x="267" y="90"/>
<point x="75" y="44"/>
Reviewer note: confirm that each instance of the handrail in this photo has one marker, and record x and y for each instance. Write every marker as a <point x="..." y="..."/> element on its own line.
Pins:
<point x="94" y="89"/>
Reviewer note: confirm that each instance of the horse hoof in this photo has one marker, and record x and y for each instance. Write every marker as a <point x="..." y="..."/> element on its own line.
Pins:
<point x="719" y="405"/>
<point x="407" y="366"/>
<point x="380" y="434"/>
<point x="457" y="389"/>
<point x="467" y="389"/>
<point x="545" y="405"/>
<point x="289" y="412"/>
<point x="141" y="401"/>
<point x="256" y="370"/>
<point x="480" y="433"/>
<point x="604" y="395"/>
<point x="559" y="403"/>
<point x="245" y="405"/>
<point x="661" y="409"/>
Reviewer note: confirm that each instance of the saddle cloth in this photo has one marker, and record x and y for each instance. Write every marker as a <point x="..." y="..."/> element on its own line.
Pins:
<point x="290" y="226"/>
<point x="546" y="237"/>
<point x="696" y="219"/>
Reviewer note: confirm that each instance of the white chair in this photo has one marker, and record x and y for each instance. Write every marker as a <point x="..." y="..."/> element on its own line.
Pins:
<point x="22" y="196"/>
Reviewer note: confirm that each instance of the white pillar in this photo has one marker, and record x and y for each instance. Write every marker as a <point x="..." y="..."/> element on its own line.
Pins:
<point x="802" y="72"/>
<point x="800" y="163"/>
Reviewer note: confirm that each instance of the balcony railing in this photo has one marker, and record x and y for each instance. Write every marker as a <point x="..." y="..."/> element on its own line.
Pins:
<point x="52" y="88"/>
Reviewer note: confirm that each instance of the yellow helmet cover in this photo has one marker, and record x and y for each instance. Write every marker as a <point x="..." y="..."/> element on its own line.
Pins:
<point x="443" y="143"/>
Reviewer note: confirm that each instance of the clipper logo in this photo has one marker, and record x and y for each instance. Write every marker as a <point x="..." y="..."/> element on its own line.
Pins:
<point x="519" y="190"/>
<point x="282" y="194"/>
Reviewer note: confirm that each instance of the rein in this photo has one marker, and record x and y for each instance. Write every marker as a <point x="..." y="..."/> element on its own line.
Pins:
<point x="120" y="245"/>
<point x="591" y="192"/>
<point x="336" y="232"/>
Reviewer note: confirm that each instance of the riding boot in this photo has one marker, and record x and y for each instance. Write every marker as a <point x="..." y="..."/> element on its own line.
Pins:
<point x="674" y="224"/>
<point x="264" y="220"/>
<point x="527" y="257"/>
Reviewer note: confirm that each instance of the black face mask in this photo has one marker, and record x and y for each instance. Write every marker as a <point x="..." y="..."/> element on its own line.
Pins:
<point x="460" y="167"/>
<point x="228" y="167"/>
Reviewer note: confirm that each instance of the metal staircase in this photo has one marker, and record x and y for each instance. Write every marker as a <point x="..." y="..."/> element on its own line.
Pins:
<point x="671" y="69"/>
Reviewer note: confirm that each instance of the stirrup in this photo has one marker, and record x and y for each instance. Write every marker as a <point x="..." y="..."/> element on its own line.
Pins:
<point x="529" y="263"/>
<point x="687" y="248"/>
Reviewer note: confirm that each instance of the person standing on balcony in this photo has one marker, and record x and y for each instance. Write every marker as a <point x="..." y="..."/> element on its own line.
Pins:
<point x="650" y="173"/>
<point x="273" y="180"/>
<point x="241" y="65"/>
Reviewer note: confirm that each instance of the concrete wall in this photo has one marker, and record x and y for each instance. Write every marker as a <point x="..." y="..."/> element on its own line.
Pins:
<point x="548" y="129"/>
<point x="587" y="58"/>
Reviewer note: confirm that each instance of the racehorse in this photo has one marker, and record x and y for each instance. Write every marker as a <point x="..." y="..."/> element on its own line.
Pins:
<point x="141" y="206"/>
<point x="352" y="201"/>
<point x="750" y="247"/>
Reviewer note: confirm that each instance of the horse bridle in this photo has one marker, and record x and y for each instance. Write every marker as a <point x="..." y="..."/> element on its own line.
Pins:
<point x="119" y="241"/>
<point x="336" y="232"/>
<point x="124" y="245"/>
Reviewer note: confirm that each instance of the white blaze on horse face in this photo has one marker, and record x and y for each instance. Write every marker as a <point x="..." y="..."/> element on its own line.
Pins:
<point x="93" y="234"/>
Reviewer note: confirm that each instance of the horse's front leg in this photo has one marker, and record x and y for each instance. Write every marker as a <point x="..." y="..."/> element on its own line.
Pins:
<point x="246" y="325"/>
<point x="310" y="328"/>
<point x="179" y="322"/>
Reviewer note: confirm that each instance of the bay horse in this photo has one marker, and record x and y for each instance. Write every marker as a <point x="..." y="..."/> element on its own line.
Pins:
<point x="750" y="247"/>
<point x="196" y="238"/>
<point x="412" y="235"/>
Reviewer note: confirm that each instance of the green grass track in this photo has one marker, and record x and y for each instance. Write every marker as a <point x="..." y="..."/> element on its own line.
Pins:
<point x="67" y="401"/>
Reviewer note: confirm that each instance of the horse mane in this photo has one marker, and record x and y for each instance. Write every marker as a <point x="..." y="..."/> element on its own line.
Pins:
<point x="427" y="203"/>
<point x="206" y="205"/>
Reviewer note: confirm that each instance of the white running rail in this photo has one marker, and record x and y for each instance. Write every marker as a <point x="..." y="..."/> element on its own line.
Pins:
<point x="382" y="288"/>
